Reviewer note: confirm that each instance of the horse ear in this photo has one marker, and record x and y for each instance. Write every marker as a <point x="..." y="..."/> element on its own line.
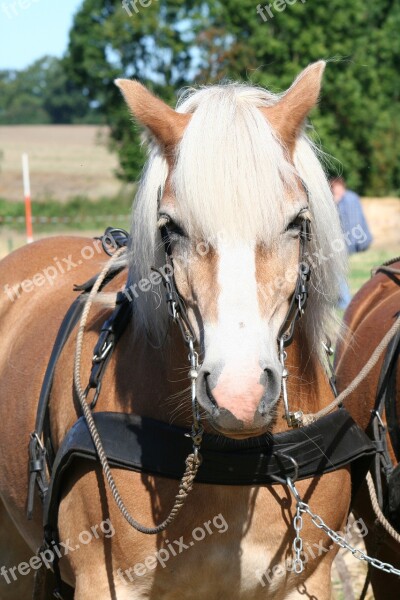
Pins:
<point x="287" y="116"/>
<point x="165" y="124"/>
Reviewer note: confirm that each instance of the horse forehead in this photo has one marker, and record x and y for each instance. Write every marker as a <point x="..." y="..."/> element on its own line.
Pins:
<point x="235" y="285"/>
<point x="230" y="263"/>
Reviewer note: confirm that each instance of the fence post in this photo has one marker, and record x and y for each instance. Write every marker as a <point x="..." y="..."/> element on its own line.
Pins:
<point x="27" y="197"/>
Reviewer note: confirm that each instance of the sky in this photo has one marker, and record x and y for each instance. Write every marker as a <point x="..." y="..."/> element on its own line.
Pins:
<point x="29" y="29"/>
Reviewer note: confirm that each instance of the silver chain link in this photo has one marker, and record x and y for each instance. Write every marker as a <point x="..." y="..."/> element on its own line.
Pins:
<point x="298" y="564"/>
<point x="197" y="429"/>
<point x="303" y="507"/>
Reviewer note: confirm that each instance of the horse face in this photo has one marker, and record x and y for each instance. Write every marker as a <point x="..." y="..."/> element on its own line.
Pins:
<point x="237" y="288"/>
<point x="237" y="295"/>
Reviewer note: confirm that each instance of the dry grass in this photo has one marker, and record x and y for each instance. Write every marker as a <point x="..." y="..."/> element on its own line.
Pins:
<point x="65" y="161"/>
<point x="383" y="216"/>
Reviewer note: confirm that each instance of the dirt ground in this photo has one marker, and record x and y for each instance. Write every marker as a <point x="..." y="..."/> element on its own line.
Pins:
<point x="383" y="216"/>
<point x="65" y="161"/>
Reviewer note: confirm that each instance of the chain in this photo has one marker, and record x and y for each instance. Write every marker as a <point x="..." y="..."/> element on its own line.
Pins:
<point x="197" y="429"/>
<point x="303" y="507"/>
<point x="298" y="564"/>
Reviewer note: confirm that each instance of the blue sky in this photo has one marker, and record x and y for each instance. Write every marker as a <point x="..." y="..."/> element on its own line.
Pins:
<point x="30" y="29"/>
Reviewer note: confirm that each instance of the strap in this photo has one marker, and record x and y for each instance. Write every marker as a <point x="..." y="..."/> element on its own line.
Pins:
<point x="157" y="448"/>
<point x="386" y="399"/>
<point x="386" y="393"/>
<point x="298" y="301"/>
<point x="110" y="333"/>
<point x="41" y="452"/>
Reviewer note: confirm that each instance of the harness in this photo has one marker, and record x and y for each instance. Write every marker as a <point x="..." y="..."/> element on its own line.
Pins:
<point x="152" y="447"/>
<point x="385" y="473"/>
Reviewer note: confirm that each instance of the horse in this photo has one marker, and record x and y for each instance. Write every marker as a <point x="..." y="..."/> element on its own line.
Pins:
<point x="233" y="179"/>
<point x="369" y="316"/>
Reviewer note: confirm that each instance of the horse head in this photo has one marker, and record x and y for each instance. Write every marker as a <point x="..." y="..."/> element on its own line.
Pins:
<point x="232" y="179"/>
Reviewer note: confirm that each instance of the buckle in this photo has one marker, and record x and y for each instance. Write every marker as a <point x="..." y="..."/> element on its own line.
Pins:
<point x="103" y="353"/>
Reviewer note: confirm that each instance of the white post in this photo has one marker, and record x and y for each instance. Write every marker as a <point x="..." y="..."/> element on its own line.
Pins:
<point x="27" y="197"/>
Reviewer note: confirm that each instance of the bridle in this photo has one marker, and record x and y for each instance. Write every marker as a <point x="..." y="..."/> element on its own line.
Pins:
<point x="178" y="312"/>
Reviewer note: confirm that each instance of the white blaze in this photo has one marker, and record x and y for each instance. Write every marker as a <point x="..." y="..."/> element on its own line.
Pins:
<point x="235" y="340"/>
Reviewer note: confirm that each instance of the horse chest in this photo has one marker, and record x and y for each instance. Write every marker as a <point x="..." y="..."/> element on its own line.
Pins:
<point x="208" y="570"/>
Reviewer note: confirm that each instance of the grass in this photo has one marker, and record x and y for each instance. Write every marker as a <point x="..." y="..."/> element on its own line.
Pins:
<point x="78" y="213"/>
<point x="362" y="263"/>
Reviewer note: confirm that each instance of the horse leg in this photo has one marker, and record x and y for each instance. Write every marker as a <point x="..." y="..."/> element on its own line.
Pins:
<point x="385" y="585"/>
<point x="14" y="553"/>
<point x="85" y="586"/>
<point x="317" y="586"/>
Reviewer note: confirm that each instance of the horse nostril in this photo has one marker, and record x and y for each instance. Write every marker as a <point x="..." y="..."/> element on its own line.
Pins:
<point x="262" y="408"/>
<point x="271" y="381"/>
<point x="204" y="396"/>
<point x="208" y="390"/>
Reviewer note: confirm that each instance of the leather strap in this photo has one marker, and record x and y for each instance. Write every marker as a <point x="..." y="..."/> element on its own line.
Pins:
<point x="387" y="388"/>
<point x="110" y="333"/>
<point x="41" y="453"/>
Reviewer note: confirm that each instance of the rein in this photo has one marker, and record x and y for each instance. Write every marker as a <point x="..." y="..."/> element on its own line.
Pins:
<point x="193" y="460"/>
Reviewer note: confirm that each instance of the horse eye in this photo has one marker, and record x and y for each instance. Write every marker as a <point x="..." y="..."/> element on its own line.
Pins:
<point x="295" y="225"/>
<point x="174" y="230"/>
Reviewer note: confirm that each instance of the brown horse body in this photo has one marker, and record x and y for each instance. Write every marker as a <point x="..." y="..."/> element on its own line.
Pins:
<point x="259" y="519"/>
<point x="233" y="161"/>
<point x="369" y="316"/>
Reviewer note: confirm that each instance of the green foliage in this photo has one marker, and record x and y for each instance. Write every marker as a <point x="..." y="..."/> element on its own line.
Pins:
<point x="42" y="94"/>
<point x="357" y="120"/>
<point x="173" y="43"/>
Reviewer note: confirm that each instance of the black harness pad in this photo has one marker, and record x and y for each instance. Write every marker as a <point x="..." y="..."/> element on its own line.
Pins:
<point x="153" y="447"/>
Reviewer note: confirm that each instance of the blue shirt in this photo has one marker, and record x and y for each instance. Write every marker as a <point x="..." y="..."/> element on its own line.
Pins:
<point x="354" y="225"/>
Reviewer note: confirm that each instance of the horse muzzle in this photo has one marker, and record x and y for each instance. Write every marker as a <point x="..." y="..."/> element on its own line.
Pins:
<point x="239" y="405"/>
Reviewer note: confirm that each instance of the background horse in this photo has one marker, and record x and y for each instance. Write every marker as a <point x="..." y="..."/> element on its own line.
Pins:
<point x="237" y="177"/>
<point x="369" y="316"/>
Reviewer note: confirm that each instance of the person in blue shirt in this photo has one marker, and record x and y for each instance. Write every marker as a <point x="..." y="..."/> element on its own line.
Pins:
<point x="355" y="228"/>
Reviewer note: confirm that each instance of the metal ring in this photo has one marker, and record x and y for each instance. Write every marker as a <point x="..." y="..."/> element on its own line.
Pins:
<point x="284" y="479"/>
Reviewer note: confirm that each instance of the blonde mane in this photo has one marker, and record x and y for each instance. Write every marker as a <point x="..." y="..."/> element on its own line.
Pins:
<point x="232" y="175"/>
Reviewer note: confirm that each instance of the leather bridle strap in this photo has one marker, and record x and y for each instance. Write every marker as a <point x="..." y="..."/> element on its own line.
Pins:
<point x="298" y="302"/>
<point x="299" y="298"/>
<point x="176" y="304"/>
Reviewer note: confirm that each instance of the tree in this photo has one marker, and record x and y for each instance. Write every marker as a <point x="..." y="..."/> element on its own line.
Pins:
<point x="358" y="120"/>
<point x="174" y="42"/>
<point x="42" y="94"/>
<point x="154" y="45"/>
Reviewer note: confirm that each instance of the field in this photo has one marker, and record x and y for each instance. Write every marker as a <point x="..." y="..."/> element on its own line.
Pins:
<point x="65" y="161"/>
